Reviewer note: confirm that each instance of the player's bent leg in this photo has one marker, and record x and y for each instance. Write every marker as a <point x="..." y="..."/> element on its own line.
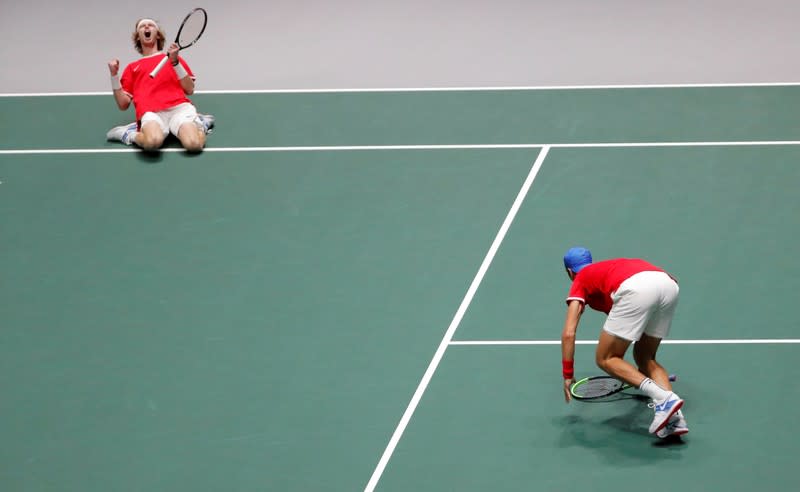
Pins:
<point x="184" y="123"/>
<point x="151" y="136"/>
<point x="192" y="137"/>
<point x="666" y="404"/>
<point x="609" y="357"/>
<point x="610" y="352"/>
<point x="644" y="353"/>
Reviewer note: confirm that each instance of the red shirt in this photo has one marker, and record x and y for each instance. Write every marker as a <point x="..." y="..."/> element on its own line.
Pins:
<point x="158" y="94"/>
<point x="595" y="283"/>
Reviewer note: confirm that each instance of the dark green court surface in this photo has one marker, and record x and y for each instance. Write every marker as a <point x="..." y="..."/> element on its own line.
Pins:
<point x="259" y="320"/>
<point x="721" y="219"/>
<point x="494" y="419"/>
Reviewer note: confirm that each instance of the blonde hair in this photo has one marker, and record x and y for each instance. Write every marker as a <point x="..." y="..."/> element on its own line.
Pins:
<point x="137" y="44"/>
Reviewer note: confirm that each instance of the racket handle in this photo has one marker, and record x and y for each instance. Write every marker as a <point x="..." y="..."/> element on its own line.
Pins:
<point x="159" y="67"/>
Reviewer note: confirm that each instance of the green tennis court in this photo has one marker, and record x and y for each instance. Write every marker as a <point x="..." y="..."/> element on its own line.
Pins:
<point x="364" y="291"/>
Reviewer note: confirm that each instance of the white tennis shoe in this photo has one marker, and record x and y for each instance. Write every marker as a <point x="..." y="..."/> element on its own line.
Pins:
<point x="676" y="426"/>
<point x="206" y="122"/>
<point x="664" y="410"/>
<point x="122" y="133"/>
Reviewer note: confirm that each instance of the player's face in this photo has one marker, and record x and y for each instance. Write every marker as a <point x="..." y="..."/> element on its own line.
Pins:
<point x="148" y="32"/>
<point x="570" y="274"/>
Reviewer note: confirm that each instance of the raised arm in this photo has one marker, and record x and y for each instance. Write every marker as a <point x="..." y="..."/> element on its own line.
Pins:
<point x="122" y="98"/>
<point x="186" y="80"/>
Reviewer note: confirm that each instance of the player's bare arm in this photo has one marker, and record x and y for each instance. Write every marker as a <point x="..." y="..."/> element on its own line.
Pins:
<point x="187" y="83"/>
<point x="122" y="98"/>
<point x="573" y="316"/>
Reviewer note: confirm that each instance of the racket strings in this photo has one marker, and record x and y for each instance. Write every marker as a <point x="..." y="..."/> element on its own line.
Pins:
<point x="597" y="387"/>
<point x="192" y="28"/>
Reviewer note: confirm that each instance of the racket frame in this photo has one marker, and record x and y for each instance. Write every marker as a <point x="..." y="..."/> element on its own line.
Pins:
<point x="178" y="36"/>
<point x="624" y="386"/>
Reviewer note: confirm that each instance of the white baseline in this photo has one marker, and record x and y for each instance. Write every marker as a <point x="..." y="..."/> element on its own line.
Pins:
<point x="350" y="148"/>
<point x="431" y="89"/>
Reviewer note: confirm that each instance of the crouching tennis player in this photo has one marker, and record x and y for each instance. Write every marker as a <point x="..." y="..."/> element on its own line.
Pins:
<point x="640" y="300"/>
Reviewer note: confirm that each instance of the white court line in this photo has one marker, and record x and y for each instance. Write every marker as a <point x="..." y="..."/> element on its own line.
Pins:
<point x="743" y="341"/>
<point x="126" y="150"/>
<point x="432" y="89"/>
<point x="332" y="148"/>
<point x="462" y="309"/>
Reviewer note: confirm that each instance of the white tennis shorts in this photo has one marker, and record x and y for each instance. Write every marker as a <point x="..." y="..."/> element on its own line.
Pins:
<point x="170" y="120"/>
<point x="644" y="303"/>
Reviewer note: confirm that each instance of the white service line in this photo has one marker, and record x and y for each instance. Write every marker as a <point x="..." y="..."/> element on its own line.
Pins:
<point x="744" y="143"/>
<point x="462" y="309"/>
<point x="743" y="341"/>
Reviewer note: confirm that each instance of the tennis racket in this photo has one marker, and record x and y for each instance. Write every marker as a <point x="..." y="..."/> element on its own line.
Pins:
<point x="599" y="387"/>
<point x="190" y="31"/>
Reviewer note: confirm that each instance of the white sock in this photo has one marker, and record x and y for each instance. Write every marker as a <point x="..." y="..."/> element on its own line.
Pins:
<point x="654" y="391"/>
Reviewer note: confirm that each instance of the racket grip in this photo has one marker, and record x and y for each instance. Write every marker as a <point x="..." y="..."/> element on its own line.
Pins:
<point x="159" y="67"/>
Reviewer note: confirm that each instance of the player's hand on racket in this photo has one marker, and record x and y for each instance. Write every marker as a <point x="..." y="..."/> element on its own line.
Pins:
<point x="190" y="31"/>
<point x="172" y="53"/>
<point x="567" y="393"/>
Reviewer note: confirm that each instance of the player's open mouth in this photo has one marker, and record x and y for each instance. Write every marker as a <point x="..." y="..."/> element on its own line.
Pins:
<point x="147" y="34"/>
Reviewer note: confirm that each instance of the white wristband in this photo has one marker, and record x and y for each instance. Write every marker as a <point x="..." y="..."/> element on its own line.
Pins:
<point x="115" y="82"/>
<point x="180" y="71"/>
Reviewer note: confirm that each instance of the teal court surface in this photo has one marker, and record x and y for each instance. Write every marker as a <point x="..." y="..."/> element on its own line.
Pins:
<point x="355" y="291"/>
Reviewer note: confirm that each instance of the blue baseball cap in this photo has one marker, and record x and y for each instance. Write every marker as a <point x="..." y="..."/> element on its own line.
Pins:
<point x="577" y="258"/>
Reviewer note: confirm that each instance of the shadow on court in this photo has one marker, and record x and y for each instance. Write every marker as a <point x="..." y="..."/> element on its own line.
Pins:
<point x="150" y="157"/>
<point x="617" y="433"/>
<point x="157" y="156"/>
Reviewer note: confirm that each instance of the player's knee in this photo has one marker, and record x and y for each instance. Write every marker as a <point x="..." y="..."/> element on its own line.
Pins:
<point x="192" y="139"/>
<point x="151" y="137"/>
<point x="149" y="141"/>
<point x="601" y="361"/>
<point x="194" y="143"/>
